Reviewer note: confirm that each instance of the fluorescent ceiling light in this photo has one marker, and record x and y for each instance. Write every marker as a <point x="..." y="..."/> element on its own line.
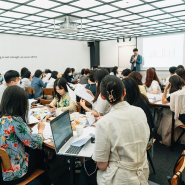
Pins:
<point x="176" y="22"/>
<point x="5" y="5"/>
<point x="22" y="22"/>
<point x="107" y="26"/>
<point x="13" y="15"/>
<point x="166" y="3"/>
<point x="112" y="21"/>
<point x="19" y="1"/>
<point x="178" y="13"/>
<point x="130" y="17"/>
<point x="11" y="25"/>
<point x="86" y="3"/>
<point x="125" y="4"/>
<point x="95" y="24"/>
<point x="11" y="32"/>
<point x="149" y="23"/>
<point x="175" y="8"/>
<point x="35" y="18"/>
<point x="104" y="9"/>
<point x="151" y="13"/>
<point x="3" y="19"/>
<point x="141" y="20"/>
<point x="99" y="17"/>
<point x="123" y="23"/>
<point x="43" y="4"/>
<point x="118" y="13"/>
<point x="84" y="13"/>
<point x="142" y="8"/>
<point x="30" y="27"/>
<point x="5" y="28"/>
<point x="161" y="17"/>
<point x="20" y="29"/>
<point x="49" y="14"/>
<point x="168" y="20"/>
<point x="27" y="9"/>
<point x="66" y="9"/>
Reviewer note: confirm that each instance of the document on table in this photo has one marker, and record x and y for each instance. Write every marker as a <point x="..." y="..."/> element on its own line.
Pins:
<point x="160" y="103"/>
<point x="47" y="131"/>
<point x="30" y="101"/>
<point x="31" y="118"/>
<point x="90" y="120"/>
<point x="80" y="91"/>
<point x="154" y="97"/>
<point x="87" y="134"/>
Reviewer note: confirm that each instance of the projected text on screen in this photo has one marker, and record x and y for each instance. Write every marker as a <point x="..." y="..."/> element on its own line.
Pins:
<point x="163" y="51"/>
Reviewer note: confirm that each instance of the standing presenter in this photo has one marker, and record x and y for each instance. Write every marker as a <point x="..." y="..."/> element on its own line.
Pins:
<point x="136" y="60"/>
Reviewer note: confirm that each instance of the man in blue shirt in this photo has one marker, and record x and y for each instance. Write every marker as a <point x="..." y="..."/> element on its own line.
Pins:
<point x="136" y="60"/>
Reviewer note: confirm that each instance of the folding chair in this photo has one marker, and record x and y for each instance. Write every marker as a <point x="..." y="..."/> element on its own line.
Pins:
<point x="148" y="155"/>
<point x="44" y="101"/>
<point x="48" y="91"/>
<point x="6" y="164"/>
<point x="177" y="171"/>
<point x="30" y="91"/>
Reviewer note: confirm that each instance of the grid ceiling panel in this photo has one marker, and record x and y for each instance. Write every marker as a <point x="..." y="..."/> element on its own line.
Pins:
<point x="101" y="19"/>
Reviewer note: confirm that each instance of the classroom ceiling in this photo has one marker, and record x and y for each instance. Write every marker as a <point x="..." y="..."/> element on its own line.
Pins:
<point x="101" y="19"/>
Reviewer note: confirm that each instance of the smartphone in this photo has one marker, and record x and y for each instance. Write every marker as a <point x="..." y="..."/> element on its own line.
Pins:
<point x="47" y="105"/>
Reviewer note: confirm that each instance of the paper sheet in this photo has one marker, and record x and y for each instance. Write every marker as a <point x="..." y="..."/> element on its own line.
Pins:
<point x="30" y="101"/>
<point x="72" y="94"/>
<point x="87" y="134"/>
<point x="160" y="103"/>
<point x="47" y="131"/>
<point x="90" y="120"/>
<point x="81" y="92"/>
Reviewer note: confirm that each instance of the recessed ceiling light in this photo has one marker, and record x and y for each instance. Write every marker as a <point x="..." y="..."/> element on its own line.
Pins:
<point x="27" y="9"/>
<point x="86" y="4"/>
<point x="66" y="9"/>
<point x="49" y="14"/>
<point x="13" y="15"/>
<point x="43" y="4"/>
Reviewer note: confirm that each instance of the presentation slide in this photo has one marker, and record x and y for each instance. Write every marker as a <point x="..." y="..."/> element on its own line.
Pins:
<point x="162" y="51"/>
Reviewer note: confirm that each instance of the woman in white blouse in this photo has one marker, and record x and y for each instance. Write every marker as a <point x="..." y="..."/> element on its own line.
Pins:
<point x="121" y="140"/>
<point x="152" y="83"/>
<point x="100" y="107"/>
<point x="54" y="76"/>
<point x="26" y="79"/>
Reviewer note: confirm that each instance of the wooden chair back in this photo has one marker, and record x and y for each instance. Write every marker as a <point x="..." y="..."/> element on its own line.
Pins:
<point x="48" y="91"/>
<point x="78" y="107"/>
<point x="44" y="101"/>
<point x="178" y="169"/>
<point x="30" y="90"/>
<point x="6" y="164"/>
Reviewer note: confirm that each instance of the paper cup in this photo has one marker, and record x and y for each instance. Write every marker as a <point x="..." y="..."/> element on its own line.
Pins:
<point x="79" y="130"/>
<point x="76" y="115"/>
<point x="88" y="114"/>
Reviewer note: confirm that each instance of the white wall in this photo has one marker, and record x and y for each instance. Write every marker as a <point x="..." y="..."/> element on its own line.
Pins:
<point x="55" y="54"/>
<point x="109" y="51"/>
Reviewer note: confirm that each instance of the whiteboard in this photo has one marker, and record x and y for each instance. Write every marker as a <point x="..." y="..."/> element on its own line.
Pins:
<point x="124" y="55"/>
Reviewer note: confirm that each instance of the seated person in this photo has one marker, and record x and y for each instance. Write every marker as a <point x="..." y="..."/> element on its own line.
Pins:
<point x="1" y="79"/>
<point x="54" y="76"/>
<point x="84" y="78"/>
<point x="62" y="100"/>
<point x="91" y="83"/>
<point x="180" y="67"/>
<point x="46" y="75"/>
<point x="100" y="107"/>
<point x="125" y="73"/>
<point x="164" y="130"/>
<point x="26" y="80"/>
<point x="152" y="83"/>
<point x="115" y="71"/>
<point x="137" y="76"/>
<point x="122" y="136"/>
<point x="68" y="75"/>
<point x="95" y="67"/>
<point x="172" y="72"/>
<point x="135" y="98"/>
<point x="23" y="70"/>
<point x="181" y="73"/>
<point x="37" y="83"/>
<point x="16" y="135"/>
<point x="11" y="78"/>
<point x="160" y="80"/>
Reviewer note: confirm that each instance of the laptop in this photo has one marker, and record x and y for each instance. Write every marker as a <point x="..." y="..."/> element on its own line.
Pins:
<point x="63" y="137"/>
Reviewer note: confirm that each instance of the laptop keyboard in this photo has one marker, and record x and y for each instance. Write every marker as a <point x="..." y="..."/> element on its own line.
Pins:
<point x="74" y="150"/>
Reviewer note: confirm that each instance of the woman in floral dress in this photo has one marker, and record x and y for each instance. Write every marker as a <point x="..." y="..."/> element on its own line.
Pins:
<point x="15" y="136"/>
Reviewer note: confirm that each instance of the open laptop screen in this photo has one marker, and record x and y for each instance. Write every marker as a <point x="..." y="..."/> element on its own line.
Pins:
<point x="61" y="129"/>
